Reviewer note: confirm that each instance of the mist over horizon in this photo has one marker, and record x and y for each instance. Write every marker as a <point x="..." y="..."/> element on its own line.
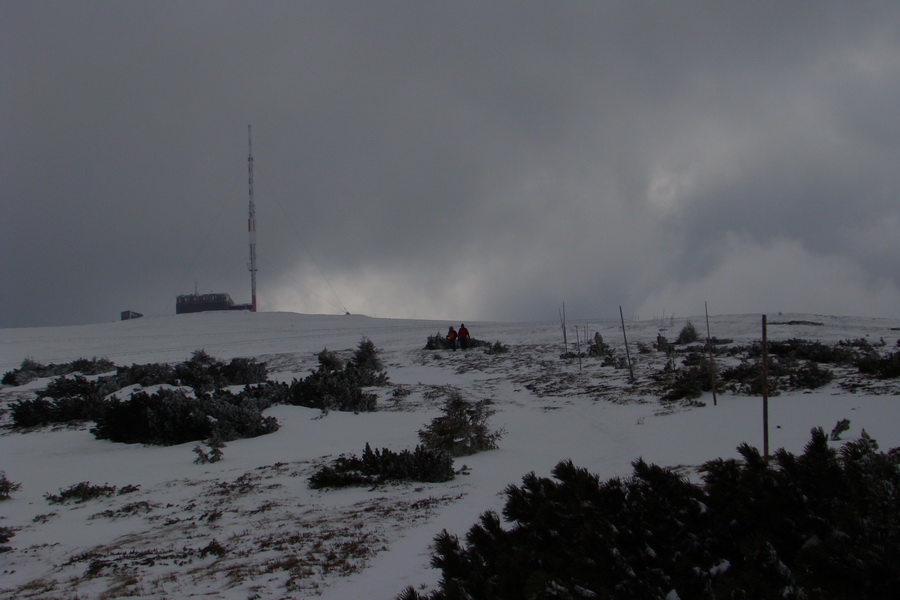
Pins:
<point x="451" y="161"/>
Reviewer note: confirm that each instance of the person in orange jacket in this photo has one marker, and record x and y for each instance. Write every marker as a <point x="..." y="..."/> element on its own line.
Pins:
<point x="451" y="337"/>
<point x="463" y="336"/>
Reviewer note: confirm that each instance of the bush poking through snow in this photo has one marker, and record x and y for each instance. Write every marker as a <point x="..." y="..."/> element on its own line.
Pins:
<point x="6" y="534"/>
<point x="688" y="334"/>
<point x="337" y="386"/>
<point x="215" y="454"/>
<point x="462" y="429"/>
<point x="375" y="467"/>
<point x="77" y="398"/>
<point x="820" y="525"/>
<point x="884" y="368"/>
<point x="84" y="491"/>
<point x="31" y="370"/>
<point x="366" y="358"/>
<point x="839" y="428"/>
<point x="171" y="417"/>
<point x="7" y="487"/>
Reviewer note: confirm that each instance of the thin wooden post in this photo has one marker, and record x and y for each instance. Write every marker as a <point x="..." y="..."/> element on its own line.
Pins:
<point x="627" y="352"/>
<point x="562" y="318"/>
<point x="765" y="390"/>
<point x="712" y="364"/>
<point x="578" y="346"/>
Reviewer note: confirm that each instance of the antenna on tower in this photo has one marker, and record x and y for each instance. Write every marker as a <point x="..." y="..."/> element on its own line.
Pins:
<point x="251" y="225"/>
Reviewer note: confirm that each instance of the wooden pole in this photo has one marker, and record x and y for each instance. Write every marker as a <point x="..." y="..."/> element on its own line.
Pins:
<point x="578" y="346"/>
<point x="765" y="390"/>
<point x="562" y="318"/>
<point x="627" y="352"/>
<point x="712" y="364"/>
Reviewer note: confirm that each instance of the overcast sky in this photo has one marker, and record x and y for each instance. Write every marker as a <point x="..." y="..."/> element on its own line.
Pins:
<point x="454" y="160"/>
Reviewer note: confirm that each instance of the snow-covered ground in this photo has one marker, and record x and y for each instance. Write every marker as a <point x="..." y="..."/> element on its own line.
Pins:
<point x="249" y="526"/>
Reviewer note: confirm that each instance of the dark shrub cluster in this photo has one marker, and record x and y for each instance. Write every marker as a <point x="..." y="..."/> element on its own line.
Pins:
<point x="375" y="467"/>
<point x="64" y="400"/>
<point x="332" y="390"/>
<point x="495" y="348"/>
<point x="146" y="375"/>
<point x="170" y="417"/>
<point x="462" y="429"/>
<point x="31" y="370"/>
<point x="786" y="373"/>
<point x="7" y="487"/>
<point x="6" y="534"/>
<point x="687" y="335"/>
<point x="884" y="368"/>
<point x="44" y="411"/>
<point x="204" y="372"/>
<point x="67" y="399"/>
<point x="340" y="386"/>
<point x="84" y="491"/>
<point x="690" y="382"/>
<point x="215" y="454"/>
<point x="843" y="353"/>
<point x="599" y="348"/>
<point x="366" y="360"/>
<point x="824" y="524"/>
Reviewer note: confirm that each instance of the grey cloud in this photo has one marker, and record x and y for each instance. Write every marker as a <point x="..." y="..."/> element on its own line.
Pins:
<point x="481" y="160"/>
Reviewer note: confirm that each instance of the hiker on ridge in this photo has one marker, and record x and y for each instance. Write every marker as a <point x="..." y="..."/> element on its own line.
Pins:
<point x="463" y="335"/>
<point x="451" y="337"/>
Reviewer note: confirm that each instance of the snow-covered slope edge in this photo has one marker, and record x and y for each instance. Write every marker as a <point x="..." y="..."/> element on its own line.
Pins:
<point x="249" y="526"/>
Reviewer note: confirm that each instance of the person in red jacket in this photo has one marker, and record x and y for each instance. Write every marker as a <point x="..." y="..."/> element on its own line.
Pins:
<point x="463" y="335"/>
<point x="451" y="337"/>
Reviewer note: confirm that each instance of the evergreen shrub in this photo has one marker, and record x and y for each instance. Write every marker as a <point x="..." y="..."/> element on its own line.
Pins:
<point x="462" y="429"/>
<point x="495" y="348"/>
<point x="375" y="467"/>
<point x="31" y="370"/>
<point x="687" y="335"/>
<point x="824" y="524"/>
<point x="881" y="367"/>
<point x="170" y="417"/>
<point x="146" y="375"/>
<point x="81" y="492"/>
<point x="6" y="534"/>
<point x="205" y="373"/>
<point x="65" y="399"/>
<point x="7" y="487"/>
<point x="338" y="386"/>
<point x="599" y="348"/>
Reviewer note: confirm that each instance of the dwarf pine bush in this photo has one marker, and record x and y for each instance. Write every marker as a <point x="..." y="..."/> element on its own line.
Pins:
<point x="31" y="370"/>
<point x="823" y="524"/>
<point x="7" y="487"/>
<point x="687" y="335"/>
<point x="462" y="429"/>
<point x="375" y="467"/>
<point x="173" y="417"/>
<point x="65" y="399"/>
<point x="339" y="386"/>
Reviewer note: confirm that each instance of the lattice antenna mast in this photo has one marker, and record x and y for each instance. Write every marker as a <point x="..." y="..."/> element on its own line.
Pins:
<point x="251" y="224"/>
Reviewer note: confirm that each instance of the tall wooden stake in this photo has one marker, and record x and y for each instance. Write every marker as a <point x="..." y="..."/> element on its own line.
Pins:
<point x="765" y="390"/>
<point x="578" y="346"/>
<point x="562" y="319"/>
<point x="251" y="226"/>
<point x="627" y="352"/>
<point x="712" y="364"/>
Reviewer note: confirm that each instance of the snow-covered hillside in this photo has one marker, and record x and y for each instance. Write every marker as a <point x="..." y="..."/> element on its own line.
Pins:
<point x="249" y="526"/>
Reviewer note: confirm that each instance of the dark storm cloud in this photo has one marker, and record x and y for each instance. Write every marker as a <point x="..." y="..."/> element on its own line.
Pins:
<point x="470" y="159"/>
